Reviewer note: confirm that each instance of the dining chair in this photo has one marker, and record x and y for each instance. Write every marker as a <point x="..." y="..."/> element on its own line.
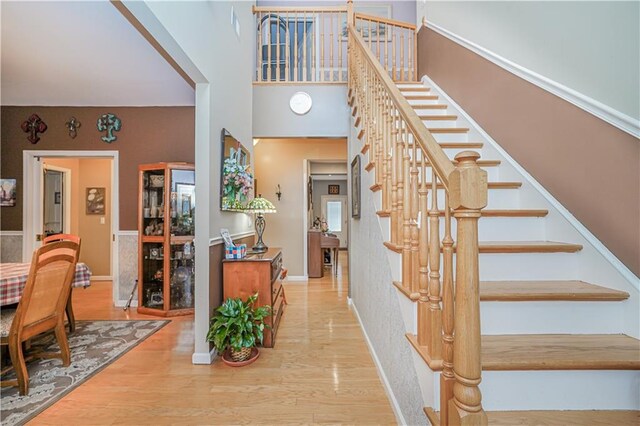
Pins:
<point x="41" y="308"/>
<point x="76" y="239"/>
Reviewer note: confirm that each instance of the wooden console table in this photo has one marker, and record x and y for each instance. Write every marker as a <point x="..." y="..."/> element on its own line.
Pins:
<point x="258" y="273"/>
<point x="316" y="242"/>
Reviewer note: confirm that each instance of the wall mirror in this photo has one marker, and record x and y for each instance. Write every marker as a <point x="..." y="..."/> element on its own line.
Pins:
<point x="236" y="177"/>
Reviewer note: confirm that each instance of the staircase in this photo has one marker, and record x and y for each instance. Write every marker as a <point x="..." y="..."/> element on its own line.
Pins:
<point x="552" y="346"/>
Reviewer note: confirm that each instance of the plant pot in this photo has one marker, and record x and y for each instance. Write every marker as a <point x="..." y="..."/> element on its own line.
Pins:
<point x="227" y="357"/>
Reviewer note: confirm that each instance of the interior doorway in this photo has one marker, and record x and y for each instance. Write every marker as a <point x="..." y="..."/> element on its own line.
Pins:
<point x="74" y="192"/>
<point x="334" y="209"/>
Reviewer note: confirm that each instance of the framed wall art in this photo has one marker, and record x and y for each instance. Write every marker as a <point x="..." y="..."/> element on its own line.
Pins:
<point x="7" y="192"/>
<point x="355" y="188"/>
<point x="96" y="200"/>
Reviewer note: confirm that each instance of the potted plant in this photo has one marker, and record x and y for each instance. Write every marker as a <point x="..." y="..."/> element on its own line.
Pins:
<point x="236" y="328"/>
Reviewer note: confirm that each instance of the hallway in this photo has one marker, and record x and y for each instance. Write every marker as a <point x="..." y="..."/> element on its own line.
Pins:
<point x="320" y="371"/>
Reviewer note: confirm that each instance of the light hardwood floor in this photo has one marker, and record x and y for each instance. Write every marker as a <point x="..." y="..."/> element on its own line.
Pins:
<point x="320" y="371"/>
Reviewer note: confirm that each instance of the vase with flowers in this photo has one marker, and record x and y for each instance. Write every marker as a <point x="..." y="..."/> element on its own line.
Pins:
<point x="237" y="181"/>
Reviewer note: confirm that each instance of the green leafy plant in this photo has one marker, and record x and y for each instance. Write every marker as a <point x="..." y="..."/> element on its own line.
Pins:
<point x="238" y="324"/>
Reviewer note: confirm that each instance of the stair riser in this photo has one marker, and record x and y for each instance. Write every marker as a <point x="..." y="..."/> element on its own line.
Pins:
<point x="415" y="93"/>
<point x="451" y="137"/>
<point x="442" y="123"/>
<point x="424" y="101"/>
<point x="505" y="229"/>
<point x="497" y="198"/>
<point x="528" y="266"/>
<point x="560" y="390"/>
<point x="430" y="111"/>
<point x="550" y="317"/>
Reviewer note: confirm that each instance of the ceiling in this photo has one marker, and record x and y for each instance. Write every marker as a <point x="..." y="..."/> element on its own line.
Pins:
<point x="82" y="54"/>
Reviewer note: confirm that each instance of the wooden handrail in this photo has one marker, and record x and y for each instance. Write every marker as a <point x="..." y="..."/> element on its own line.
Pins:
<point x="293" y="9"/>
<point x="382" y="20"/>
<point x="437" y="158"/>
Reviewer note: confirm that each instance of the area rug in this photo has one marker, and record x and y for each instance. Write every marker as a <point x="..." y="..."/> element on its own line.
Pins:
<point x="94" y="345"/>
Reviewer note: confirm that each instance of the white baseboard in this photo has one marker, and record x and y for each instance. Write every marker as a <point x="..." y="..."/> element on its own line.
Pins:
<point x="203" y="358"/>
<point x="387" y="386"/>
<point x="595" y="242"/>
<point x="128" y="233"/>
<point x="299" y="279"/>
<point x="101" y="278"/>
<point x="122" y="303"/>
<point x="11" y="233"/>
<point x="604" y="112"/>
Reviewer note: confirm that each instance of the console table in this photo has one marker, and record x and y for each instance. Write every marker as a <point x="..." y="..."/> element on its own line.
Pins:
<point x="258" y="273"/>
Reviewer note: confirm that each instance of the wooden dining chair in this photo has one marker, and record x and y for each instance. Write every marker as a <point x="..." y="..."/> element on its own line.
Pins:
<point x="41" y="308"/>
<point x="76" y="239"/>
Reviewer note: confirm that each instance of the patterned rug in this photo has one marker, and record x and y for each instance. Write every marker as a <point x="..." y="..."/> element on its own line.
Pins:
<point x="94" y="345"/>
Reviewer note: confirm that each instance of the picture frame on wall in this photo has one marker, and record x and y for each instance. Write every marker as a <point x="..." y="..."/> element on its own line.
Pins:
<point x="7" y="192"/>
<point x="355" y="188"/>
<point x="95" y="200"/>
<point x="334" y="190"/>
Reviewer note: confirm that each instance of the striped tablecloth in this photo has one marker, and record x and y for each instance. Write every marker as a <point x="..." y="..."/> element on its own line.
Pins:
<point x="13" y="278"/>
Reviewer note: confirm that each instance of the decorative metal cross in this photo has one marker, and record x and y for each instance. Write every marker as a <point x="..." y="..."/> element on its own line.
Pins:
<point x="73" y="125"/>
<point x="34" y="125"/>
<point x="109" y="123"/>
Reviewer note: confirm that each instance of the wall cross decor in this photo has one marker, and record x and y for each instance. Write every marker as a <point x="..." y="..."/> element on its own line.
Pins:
<point x="109" y="123"/>
<point x="73" y="124"/>
<point x="34" y="125"/>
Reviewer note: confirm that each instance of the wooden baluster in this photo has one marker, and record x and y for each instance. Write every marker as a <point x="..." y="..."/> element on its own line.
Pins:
<point x="468" y="196"/>
<point x="369" y="35"/>
<point x="287" y="46"/>
<point x="259" y="47"/>
<point x="331" y="41"/>
<point x="447" y="378"/>
<point x="435" y="314"/>
<point x="295" y="48"/>
<point x="379" y="140"/>
<point x="386" y="47"/>
<point x="402" y="57"/>
<point x="389" y="153"/>
<point x="393" y="54"/>
<point x="270" y="40"/>
<point x="385" y="152"/>
<point x="414" y="218"/>
<point x="400" y="166"/>
<point x="304" y="47"/>
<point x="340" y="40"/>
<point x="423" y="301"/>
<point x="314" y="50"/>
<point x="407" y="273"/>
<point x="321" y="46"/>
<point x="415" y="55"/>
<point x="378" y="54"/>
<point x="278" y="77"/>
<point x="395" y="177"/>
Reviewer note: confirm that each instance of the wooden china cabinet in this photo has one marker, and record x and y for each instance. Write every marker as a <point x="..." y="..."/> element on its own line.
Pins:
<point x="166" y="252"/>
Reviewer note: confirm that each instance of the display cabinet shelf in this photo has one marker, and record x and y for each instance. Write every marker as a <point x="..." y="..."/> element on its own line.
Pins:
<point x="166" y="206"/>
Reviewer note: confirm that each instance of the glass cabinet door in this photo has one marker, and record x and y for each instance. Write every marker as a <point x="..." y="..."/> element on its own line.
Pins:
<point x="153" y="275"/>
<point x="153" y="202"/>
<point x="183" y="202"/>
<point x="182" y="278"/>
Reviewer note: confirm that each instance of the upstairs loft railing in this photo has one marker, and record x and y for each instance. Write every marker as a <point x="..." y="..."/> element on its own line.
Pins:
<point x="309" y="45"/>
<point x="416" y="177"/>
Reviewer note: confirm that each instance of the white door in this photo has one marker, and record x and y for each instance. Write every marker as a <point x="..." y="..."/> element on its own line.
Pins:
<point x="334" y="209"/>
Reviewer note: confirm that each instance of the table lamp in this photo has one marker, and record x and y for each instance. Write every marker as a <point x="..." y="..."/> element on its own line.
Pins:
<point x="260" y="206"/>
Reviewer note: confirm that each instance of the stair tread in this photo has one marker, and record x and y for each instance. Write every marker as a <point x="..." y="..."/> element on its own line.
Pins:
<point x="547" y="290"/>
<point x="514" y="247"/>
<point x="439" y="130"/>
<point x="421" y="97"/>
<point x="414" y="89"/>
<point x="560" y="352"/>
<point x="430" y="106"/>
<point x="511" y="213"/>
<point x="492" y="185"/>
<point x="554" y="417"/>
<point x="436" y="117"/>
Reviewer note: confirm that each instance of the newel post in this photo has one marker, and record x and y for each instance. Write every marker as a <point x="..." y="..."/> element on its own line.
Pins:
<point x="350" y="16"/>
<point x="468" y="196"/>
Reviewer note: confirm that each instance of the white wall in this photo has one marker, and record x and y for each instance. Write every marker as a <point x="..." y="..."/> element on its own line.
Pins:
<point x="328" y="117"/>
<point x="590" y="47"/>
<point x="200" y="37"/>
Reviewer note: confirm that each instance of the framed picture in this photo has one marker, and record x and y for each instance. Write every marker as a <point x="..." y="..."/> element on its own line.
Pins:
<point x="334" y="189"/>
<point x="96" y="200"/>
<point x="355" y="187"/>
<point x="379" y="10"/>
<point x="186" y="198"/>
<point x="7" y="192"/>
<point x="56" y="197"/>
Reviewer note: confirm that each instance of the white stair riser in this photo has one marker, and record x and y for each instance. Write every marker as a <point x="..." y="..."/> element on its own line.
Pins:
<point x="424" y="101"/>
<point x="497" y="199"/>
<point x="430" y="111"/>
<point x="560" y="390"/>
<point x="415" y="93"/>
<point x="528" y="266"/>
<point x="506" y="229"/>
<point x="550" y="317"/>
<point x="441" y="123"/>
<point x="451" y="137"/>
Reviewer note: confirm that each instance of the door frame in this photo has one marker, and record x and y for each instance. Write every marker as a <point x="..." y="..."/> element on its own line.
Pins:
<point x="32" y="185"/>
<point x="66" y="207"/>
<point x="345" y="213"/>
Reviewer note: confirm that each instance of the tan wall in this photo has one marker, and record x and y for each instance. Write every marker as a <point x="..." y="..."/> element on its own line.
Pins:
<point x="280" y="161"/>
<point x="96" y="236"/>
<point x="591" y="167"/>
<point x="148" y="135"/>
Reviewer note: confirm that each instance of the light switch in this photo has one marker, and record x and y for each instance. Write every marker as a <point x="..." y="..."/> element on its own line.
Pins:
<point x="102" y="221"/>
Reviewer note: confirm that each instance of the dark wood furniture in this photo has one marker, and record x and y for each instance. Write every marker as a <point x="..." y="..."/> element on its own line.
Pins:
<point x="258" y="273"/>
<point x="166" y="252"/>
<point x="316" y="243"/>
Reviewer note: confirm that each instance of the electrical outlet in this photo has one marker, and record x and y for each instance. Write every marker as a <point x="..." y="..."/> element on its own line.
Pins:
<point x="102" y="221"/>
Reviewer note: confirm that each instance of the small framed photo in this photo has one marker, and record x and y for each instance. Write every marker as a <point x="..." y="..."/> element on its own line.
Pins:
<point x="7" y="192"/>
<point x="96" y="200"/>
<point x="56" y="197"/>
<point x="355" y="188"/>
<point x="334" y="189"/>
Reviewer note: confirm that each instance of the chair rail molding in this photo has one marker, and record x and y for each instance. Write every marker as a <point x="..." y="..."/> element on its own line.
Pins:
<point x="610" y="115"/>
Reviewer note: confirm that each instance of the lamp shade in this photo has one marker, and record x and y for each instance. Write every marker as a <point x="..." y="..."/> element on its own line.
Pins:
<point x="260" y="205"/>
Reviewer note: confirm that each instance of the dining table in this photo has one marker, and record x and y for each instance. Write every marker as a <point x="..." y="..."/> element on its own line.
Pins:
<point x="13" y="278"/>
